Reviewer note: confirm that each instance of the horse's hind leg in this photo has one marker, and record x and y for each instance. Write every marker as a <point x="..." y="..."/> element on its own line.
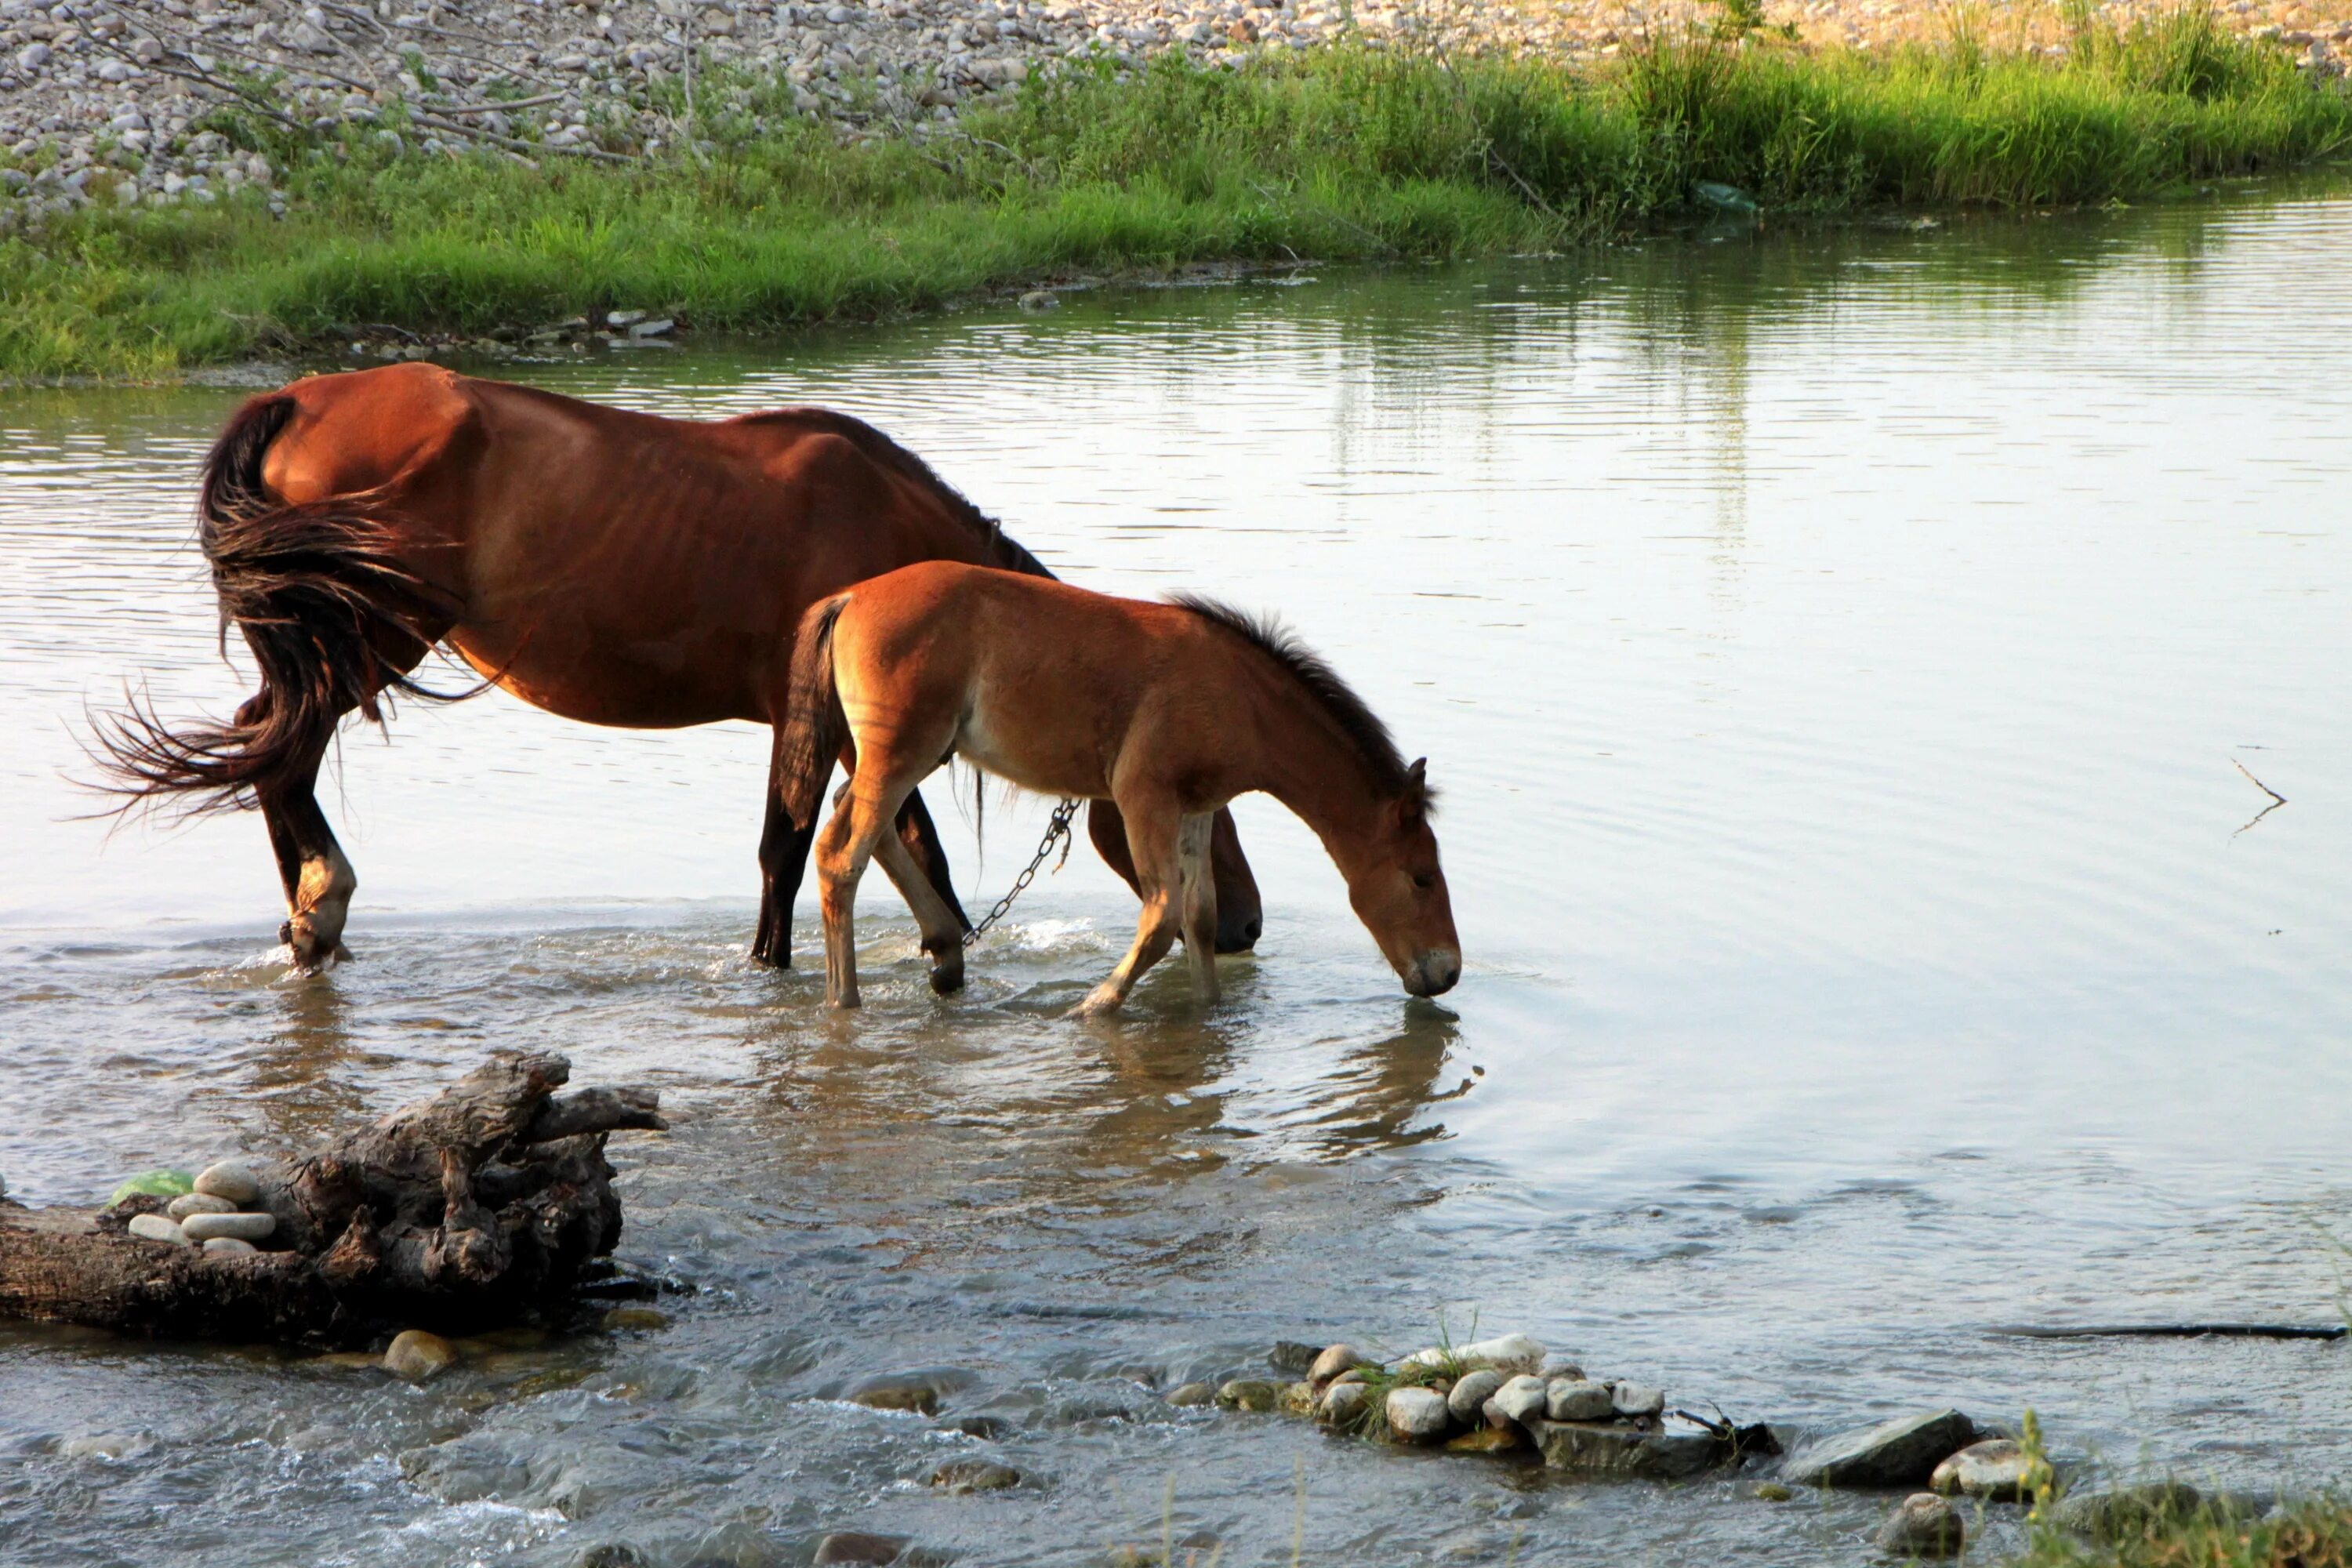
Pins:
<point x="1199" y="891"/>
<point x="942" y="928"/>
<point x="921" y="838"/>
<point x="318" y="881"/>
<point x="784" y="859"/>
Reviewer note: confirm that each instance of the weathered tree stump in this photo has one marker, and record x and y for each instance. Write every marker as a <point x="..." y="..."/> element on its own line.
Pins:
<point x="485" y="1205"/>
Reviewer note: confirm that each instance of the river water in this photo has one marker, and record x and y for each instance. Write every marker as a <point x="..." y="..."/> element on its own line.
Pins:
<point x="1837" y="649"/>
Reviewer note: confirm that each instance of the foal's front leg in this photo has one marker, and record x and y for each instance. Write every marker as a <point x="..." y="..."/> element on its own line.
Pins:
<point x="1152" y="836"/>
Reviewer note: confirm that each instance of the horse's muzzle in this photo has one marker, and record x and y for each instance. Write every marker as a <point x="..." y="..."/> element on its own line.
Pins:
<point x="1432" y="973"/>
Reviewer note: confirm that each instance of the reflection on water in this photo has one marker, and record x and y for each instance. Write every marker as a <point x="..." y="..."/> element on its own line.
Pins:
<point x="1833" y="648"/>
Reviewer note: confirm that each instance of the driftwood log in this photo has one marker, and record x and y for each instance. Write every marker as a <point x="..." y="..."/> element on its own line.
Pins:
<point x="490" y="1203"/>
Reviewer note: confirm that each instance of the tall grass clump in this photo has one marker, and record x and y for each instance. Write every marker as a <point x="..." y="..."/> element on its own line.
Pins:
<point x="1346" y="152"/>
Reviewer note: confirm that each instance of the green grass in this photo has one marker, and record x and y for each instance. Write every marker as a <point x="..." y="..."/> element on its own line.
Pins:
<point x="2316" y="1534"/>
<point x="1340" y="153"/>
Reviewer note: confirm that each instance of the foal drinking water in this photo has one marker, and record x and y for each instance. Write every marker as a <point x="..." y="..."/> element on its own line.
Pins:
<point x="1170" y="711"/>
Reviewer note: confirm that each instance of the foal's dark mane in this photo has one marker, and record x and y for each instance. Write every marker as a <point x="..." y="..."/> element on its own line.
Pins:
<point x="1006" y="552"/>
<point x="1321" y="683"/>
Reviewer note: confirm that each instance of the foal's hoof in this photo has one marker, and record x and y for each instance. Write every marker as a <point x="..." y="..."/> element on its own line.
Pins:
<point x="947" y="979"/>
<point x="1100" y="1003"/>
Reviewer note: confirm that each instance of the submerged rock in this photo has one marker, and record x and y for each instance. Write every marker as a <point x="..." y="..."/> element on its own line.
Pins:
<point x="963" y="1476"/>
<point x="1902" y="1452"/>
<point x="1184" y="1396"/>
<point x="106" y="1446"/>
<point x="1252" y="1393"/>
<point x="1997" y="1468"/>
<point x="846" y="1546"/>
<point x="1925" y="1526"/>
<point x="1610" y="1451"/>
<point x="1417" y="1414"/>
<point x="2116" y="1512"/>
<point x="1577" y="1399"/>
<point x="1469" y="1397"/>
<point x="418" y="1355"/>
<point x="230" y="1179"/>
<point x="1296" y="1399"/>
<point x="918" y="1392"/>
<point x="1487" y="1439"/>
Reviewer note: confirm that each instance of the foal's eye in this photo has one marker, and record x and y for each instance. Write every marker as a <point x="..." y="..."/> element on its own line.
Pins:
<point x="1424" y="882"/>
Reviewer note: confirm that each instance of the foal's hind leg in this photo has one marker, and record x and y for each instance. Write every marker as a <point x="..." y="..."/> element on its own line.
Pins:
<point x="861" y="822"/>
<point x="1198" y="889"/>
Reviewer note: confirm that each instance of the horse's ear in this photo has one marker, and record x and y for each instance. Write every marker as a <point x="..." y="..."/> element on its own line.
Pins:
<point x="1416" y="789"/>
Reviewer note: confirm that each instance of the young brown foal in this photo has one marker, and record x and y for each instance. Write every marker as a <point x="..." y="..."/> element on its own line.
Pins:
<point x="1169" y="710"/>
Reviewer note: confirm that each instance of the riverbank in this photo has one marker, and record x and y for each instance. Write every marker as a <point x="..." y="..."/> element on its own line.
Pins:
<point x="759" y="215"/>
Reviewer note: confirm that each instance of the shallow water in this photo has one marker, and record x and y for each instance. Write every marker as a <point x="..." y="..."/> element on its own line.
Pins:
<point x="1833" y="648"/>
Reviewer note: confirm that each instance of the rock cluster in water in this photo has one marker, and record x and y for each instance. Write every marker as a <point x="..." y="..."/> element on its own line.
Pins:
<point x="105" y="101"/>
<point x="213" y="1213"/>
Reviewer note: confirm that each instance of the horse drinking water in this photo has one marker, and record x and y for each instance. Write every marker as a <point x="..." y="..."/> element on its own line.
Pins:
<point x="1170" y="711"/>
<point x="608" y="566"/>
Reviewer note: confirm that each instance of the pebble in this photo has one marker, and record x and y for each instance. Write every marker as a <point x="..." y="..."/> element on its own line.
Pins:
<point x="855" y="1546"/>
<point x="1579" y="1399"/>
<point x="1296" y="1399"/>
<point x="1417" y="1414"/>
<point x="1525" y="1398"/>
<point x="1557" y="1365"/>
<point x="960" y="1476"/>
<point x="1902" y="1452"/>
<point x="1333" y="1360"/>
<point x="418" y="1355"/>
<point x="230" y="1179"/>
<point x="1343" y="1404"/>
<point x="228" y="1245"/>
<point x="1998" y="1468"/>
<point x="1038" y="300"/>
<point x="1469" y="1397"/>
<point x="105" y="1445"/>
<point x="1636" y="1400"/>
<point x="1925" y="1526"/>
<point x="155" y="1227"/>
<point x="187" y="1203"/>
<point x="1185" y="1396"/>
<point x="243" y="1226"/>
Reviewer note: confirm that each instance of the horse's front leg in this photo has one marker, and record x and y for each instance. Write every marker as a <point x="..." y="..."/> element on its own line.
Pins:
<point x="318" y="880"/>
<point x="1240" y="916"/>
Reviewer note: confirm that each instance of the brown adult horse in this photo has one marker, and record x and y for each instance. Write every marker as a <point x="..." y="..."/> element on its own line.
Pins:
<point x="608" y="566"/>
<point x="1169" y="710"/>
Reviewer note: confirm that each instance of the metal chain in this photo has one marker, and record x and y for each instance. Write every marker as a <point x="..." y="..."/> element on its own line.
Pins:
<point x="1057" y="828"/>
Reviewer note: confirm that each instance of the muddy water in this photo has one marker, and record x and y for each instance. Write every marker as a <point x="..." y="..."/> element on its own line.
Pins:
<point x="1834" y="649"/>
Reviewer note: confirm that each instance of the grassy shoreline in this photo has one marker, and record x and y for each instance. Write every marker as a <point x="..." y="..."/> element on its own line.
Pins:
<point x="1345" y="153"/>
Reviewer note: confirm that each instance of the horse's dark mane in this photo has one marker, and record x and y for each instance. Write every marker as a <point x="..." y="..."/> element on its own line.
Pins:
<point x="1321" y="683"/>
<point x="999" y="548"/>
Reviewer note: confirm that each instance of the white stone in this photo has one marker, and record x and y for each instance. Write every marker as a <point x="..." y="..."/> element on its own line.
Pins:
<point x="230" y="1179"/>
<point x="1505" y="1353"/>
<point x="1637" y="1399"/>
<point x="243" y="1226"/>
<point x="1579" y="1399"/>
<point x="1417" y="1414"/>
<point x="1523" y="1399"/>
<point x="155" y="1227"/>
<point x="228" y="1245"/>
<point x="187" y="1203"/>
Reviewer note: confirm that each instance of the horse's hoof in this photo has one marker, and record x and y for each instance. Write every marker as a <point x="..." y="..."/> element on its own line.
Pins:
<point x="947" y="980"/>
<point x="311" y="954"/>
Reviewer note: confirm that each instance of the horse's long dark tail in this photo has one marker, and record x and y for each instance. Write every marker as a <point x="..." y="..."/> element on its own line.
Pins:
<point x="333" y="616"/>
<point x="815" y="728"/>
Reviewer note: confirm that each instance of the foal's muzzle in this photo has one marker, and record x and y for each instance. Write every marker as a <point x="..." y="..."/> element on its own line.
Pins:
<point x="1432" y="973"/>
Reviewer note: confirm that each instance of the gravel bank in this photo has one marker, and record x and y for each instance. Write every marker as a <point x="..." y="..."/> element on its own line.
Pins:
<point x="103" y="103"/>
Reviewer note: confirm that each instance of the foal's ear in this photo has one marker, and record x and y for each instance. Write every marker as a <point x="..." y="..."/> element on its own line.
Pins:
<point x="1414" y="801"/>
